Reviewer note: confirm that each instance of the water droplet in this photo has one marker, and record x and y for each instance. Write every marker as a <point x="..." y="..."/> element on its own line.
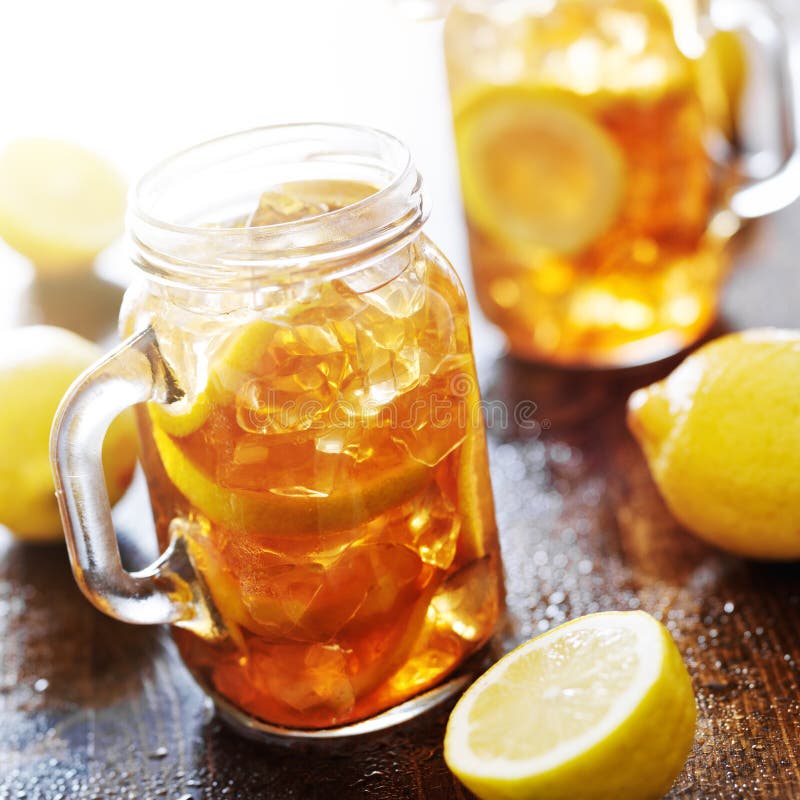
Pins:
<point x="160" y="752"/>
<point x="561" y="453"/>
<point x="728" y="607"/>
<point x="41" y="685"/>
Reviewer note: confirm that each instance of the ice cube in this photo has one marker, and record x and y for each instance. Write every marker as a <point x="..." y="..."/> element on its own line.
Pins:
<point x="395" y="568"/>
<point x="388" y="355"/>
<point x="276" y="207"/>
<point x="301" y="368"/>
<point x="435" y="527"/>
<point x="261" y="407"/>
<point x="432" y="657"/>
<point x="434" y="427"/>
<point x="305" y="598"/>
<point x="313" y="598"/>
<point x="329" y="304"/>
<point x="386" y="272"/>
<point x="364" y="582"/>
<point x="278" y="593"/>
<point x="467" y="603"/>
<point x="438" y="333"/>
<point x="399" y="298"/>
<point x="304" y="677"/>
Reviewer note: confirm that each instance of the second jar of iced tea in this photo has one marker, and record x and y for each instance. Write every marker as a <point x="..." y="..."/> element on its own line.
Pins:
<point x="313" y="440"/>
<point x="594" y="145"/>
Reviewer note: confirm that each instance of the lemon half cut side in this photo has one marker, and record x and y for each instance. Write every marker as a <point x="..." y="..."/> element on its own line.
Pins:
<point x="600" y="707"/>
<point x="536" y="169"/>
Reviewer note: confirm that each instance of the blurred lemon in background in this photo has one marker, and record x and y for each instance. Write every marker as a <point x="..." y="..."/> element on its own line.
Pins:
<point x="722" y="437"/>
<point x="37" y="366"/>
<point x="60" y="204"/>
<point x="599" y="708"/>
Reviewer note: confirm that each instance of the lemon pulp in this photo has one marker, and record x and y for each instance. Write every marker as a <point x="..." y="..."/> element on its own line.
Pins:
<point x="600" y="707"/>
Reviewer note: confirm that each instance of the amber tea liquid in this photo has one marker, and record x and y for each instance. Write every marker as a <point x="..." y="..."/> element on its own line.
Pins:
<point x="588" y="184"/>
<point x="331" y="485"/>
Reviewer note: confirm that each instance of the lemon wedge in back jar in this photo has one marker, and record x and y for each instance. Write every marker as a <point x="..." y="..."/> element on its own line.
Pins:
<point x="535" y="168"/>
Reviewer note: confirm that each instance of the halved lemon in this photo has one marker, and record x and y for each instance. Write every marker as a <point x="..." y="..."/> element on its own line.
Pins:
<point x="268" y="513"/>
<point x="60" y="204"/>
<point x="536" y="169"/>
<point x="601" y="707"/>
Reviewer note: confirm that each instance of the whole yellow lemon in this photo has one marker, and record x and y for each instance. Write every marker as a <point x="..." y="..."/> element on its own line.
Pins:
<point x="722" y="437"/>
<point x="37" y="366"/>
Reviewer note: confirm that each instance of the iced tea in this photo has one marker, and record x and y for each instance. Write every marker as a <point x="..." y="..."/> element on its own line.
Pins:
<point x="330" y="482"/>
<point x="588" y="185"/>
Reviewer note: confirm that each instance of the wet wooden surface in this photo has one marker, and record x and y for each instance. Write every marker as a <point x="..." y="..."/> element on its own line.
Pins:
<point x="91" y="708"/>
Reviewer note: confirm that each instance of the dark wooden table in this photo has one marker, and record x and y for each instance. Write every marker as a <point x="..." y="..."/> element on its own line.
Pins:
<point x="91" y="708"/>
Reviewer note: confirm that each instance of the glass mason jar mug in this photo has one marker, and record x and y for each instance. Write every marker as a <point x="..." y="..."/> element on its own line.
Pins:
<point x="311" y="434"/>
<point x="599" y="166"/>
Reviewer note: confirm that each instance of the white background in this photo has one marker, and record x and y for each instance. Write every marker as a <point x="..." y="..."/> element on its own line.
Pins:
<point x="137" y="81"/>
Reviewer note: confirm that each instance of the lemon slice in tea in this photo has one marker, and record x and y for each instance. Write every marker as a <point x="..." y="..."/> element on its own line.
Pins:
<point x="266" y="512"/>
<point x="536" y="169"/>
<point x="181" y="424"/>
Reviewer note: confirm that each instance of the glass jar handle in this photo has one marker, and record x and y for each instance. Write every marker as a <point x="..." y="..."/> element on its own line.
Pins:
<point x="763" y="196"/>
<point x="167" y="591"/>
